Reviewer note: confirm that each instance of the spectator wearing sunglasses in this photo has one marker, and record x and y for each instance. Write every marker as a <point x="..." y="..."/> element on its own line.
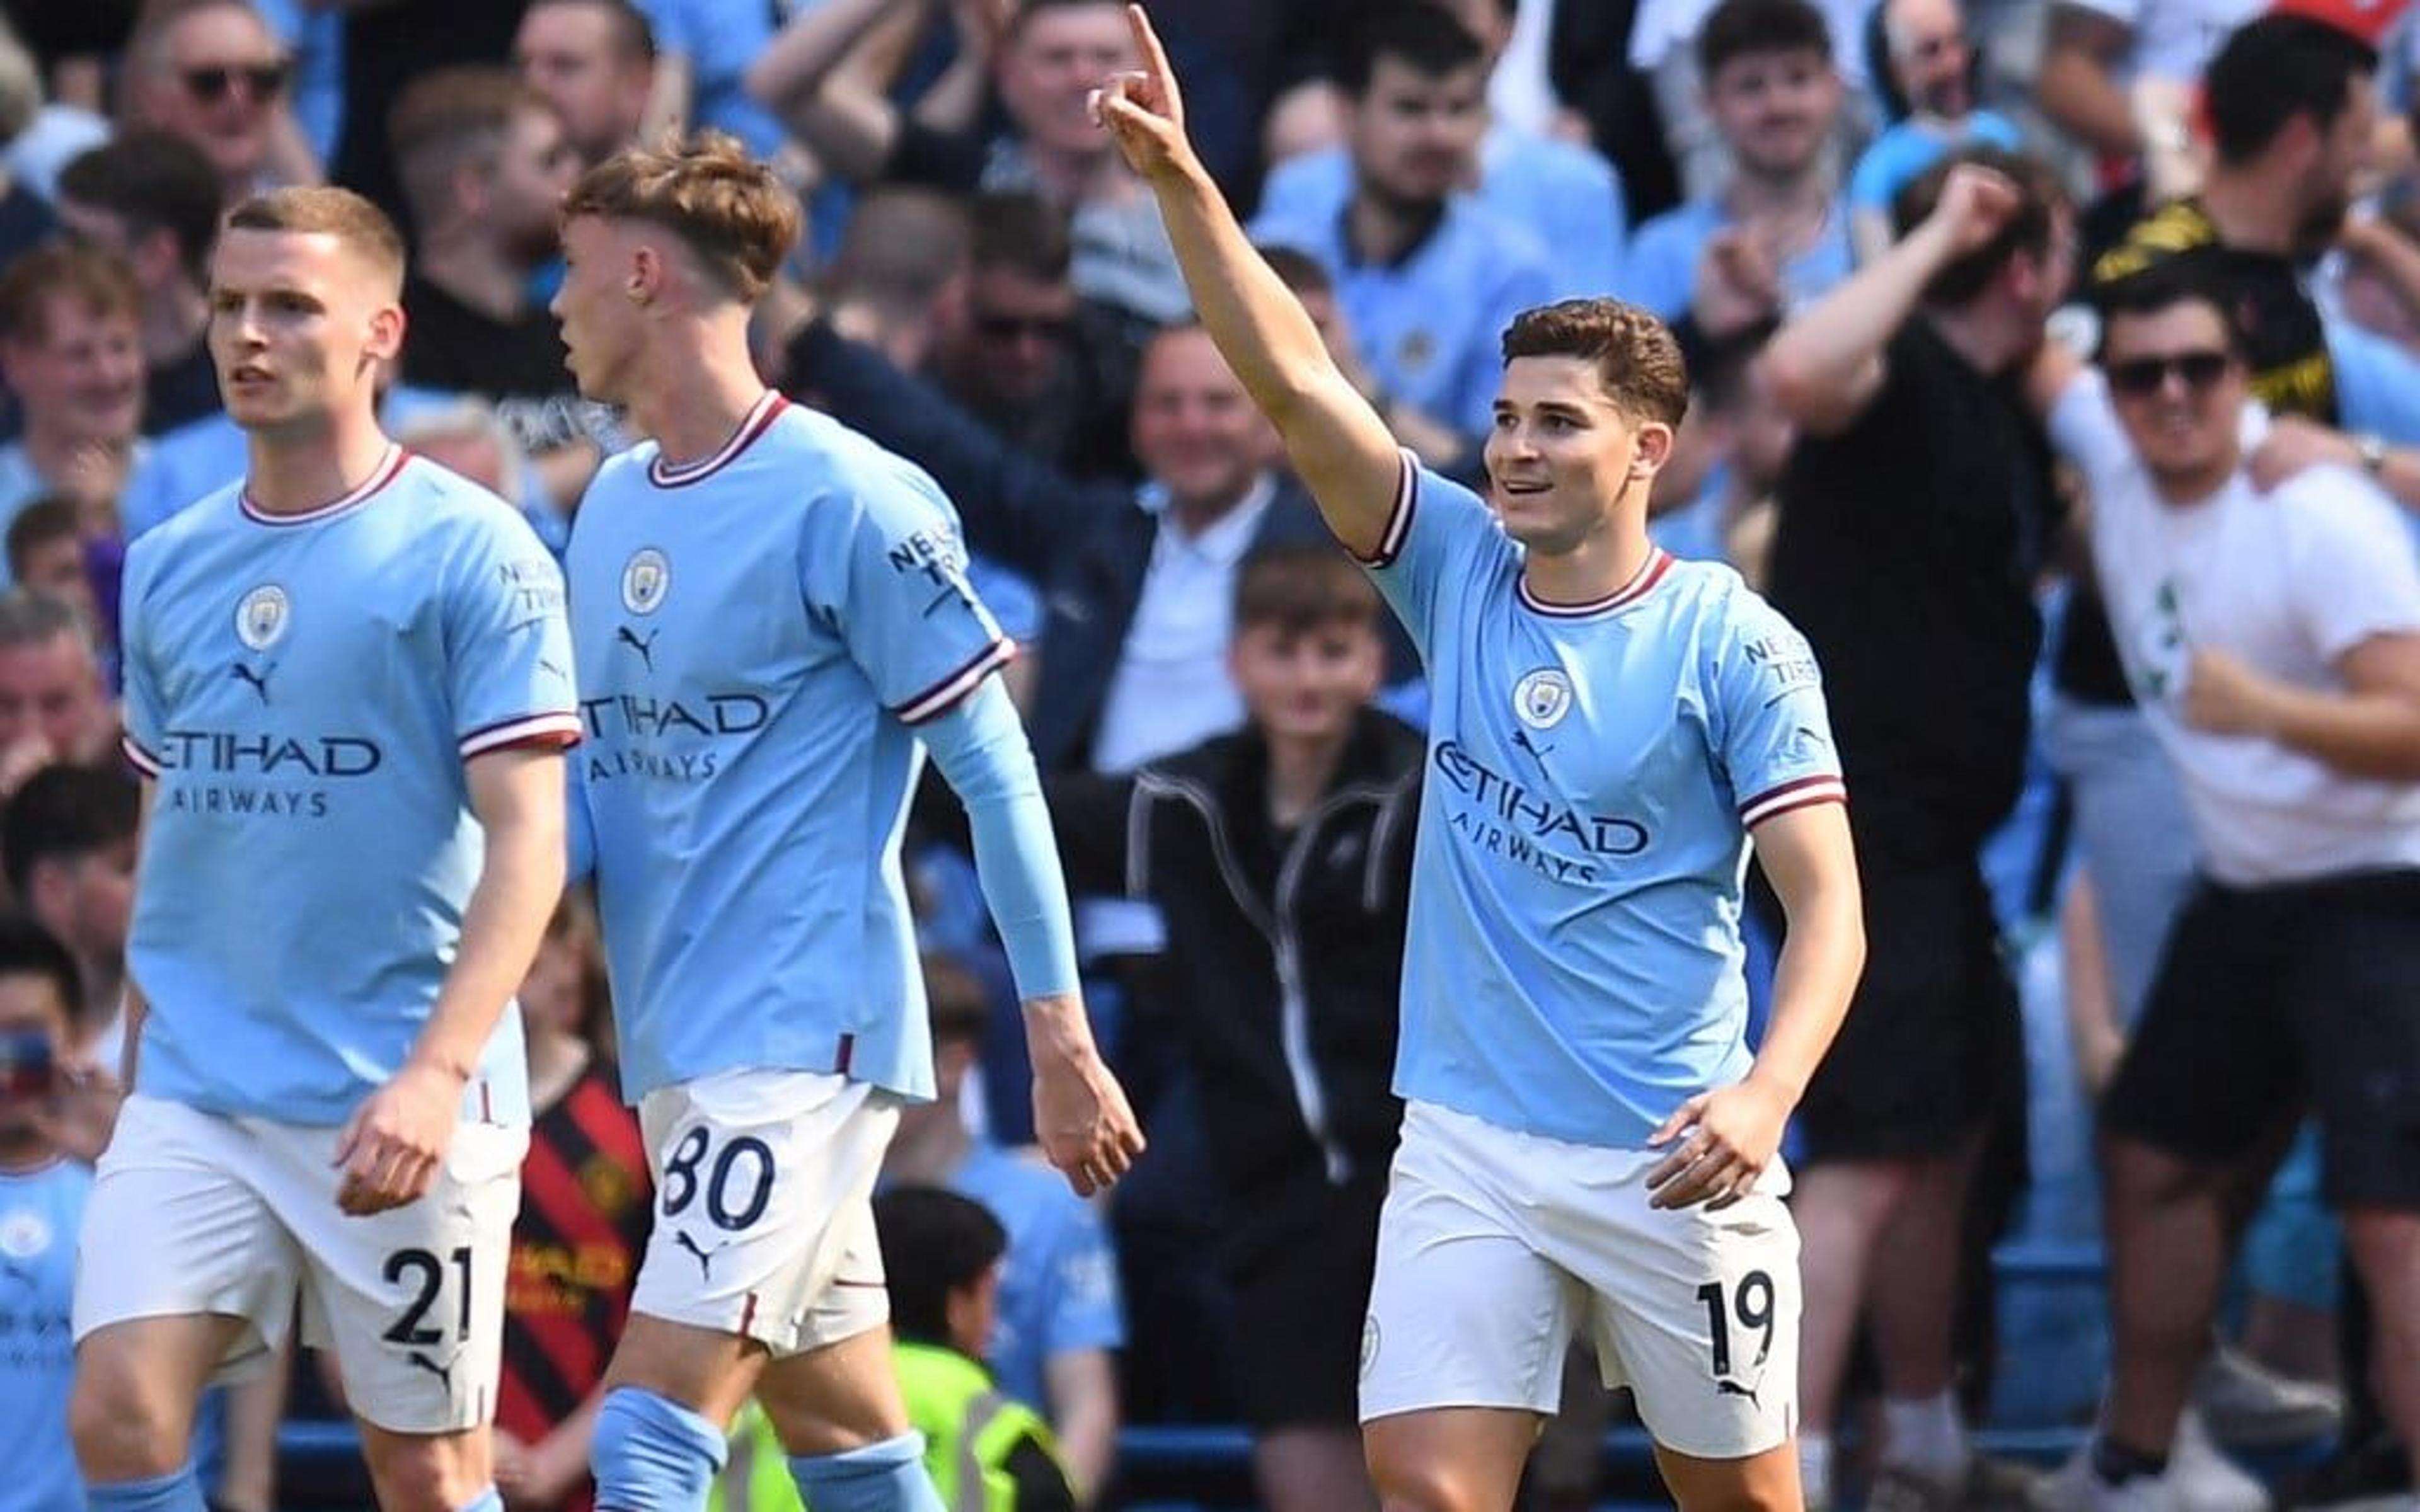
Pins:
<point x="2272" y="642"/>
<point x="213" y="73"/>
<point x="1016" y="346"/>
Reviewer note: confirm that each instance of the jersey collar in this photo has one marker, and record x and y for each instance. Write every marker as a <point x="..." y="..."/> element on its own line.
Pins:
<point x="389" y="467"/>
<point x="760" y="416"/>
<point x="1649" y="573"/>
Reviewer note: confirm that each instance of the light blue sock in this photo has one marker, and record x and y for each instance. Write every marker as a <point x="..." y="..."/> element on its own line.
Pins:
<point x="888" y="1476"/>
<point x="651" y="1455"/>
<point x="177" y="1493"/>
<point x="488" y="1500"/>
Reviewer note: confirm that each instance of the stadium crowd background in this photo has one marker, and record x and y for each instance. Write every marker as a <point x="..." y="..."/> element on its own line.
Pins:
<point x="986" y="288"/>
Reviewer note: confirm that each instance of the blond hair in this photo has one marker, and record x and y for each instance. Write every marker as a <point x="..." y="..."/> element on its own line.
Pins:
<point x="359" y="225"/>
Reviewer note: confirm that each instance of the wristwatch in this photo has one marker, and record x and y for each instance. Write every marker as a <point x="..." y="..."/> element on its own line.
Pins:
<point x="2372" y="448"/>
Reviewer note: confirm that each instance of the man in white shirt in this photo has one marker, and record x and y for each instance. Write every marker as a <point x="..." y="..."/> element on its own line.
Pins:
<point x="2275" y="643"/>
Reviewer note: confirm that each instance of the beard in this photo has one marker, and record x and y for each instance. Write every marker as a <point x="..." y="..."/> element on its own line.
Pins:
<point x="2320" y="224"/>
<point x="533" y="245"/>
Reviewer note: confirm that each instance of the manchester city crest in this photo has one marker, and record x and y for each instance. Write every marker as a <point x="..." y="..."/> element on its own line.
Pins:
<point x="261" y="617"/>
<point x="645" y="578"/>
<point x="24" y="1234"/>
<point x="1542" y="698"/>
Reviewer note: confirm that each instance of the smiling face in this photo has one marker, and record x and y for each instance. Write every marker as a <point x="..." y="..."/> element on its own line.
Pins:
<point x="1930" y="57"/>
<point x="2179" y="386"/>
<point x="220" y="83"/>
<point x="1561" y="454"/>
<point x="1053" y="60"/>
<point x="1775" y="109"/>
<point x="1196" y="430"/>
<point x="300" y="325"/>
<point x="1416" y="137"/>
<point x="1306" y="682"/>
<point x="78" y="369"/>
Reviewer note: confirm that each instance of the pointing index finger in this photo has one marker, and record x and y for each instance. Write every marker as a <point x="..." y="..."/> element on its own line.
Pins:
<point x="1154" y="57"/>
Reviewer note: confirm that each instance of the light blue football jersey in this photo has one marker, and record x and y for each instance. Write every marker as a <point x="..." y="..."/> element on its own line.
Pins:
<point x="41" y="1213"/>
<point x="1572" y="958"/>
<point x="303" y="690"/>
<point x="759" y="632"/>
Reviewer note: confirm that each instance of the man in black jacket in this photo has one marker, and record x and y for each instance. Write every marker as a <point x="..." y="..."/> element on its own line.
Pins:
<point x="1280" y="857"/>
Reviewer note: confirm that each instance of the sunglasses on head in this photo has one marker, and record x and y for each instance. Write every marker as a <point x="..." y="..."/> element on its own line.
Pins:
<point x="2143" y="375"/>
<point x="260" y="81"/>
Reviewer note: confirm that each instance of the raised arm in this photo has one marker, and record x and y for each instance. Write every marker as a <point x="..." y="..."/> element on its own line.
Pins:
<point x="804" y="79"/>
<point x="1825" y="366"/>
<point x="1339" y="447"/>
<point x="2077" y="88"/>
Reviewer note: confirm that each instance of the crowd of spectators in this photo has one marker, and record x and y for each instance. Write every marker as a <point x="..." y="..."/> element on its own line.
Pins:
<point x="1227" y="722"/>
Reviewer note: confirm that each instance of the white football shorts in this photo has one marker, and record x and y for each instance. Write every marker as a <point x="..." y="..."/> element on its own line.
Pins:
<point x="197" y="1212"/>
<point x="765" y="1207"/>
<point x="1496" y="1247"/>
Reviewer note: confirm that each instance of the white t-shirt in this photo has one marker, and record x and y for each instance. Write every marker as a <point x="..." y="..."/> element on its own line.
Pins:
<point x="2286" y="582"/>
<point x="2174" y="38"/>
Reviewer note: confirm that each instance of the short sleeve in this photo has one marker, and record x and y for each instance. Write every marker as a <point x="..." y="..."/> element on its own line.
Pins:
<point x="886" y="566"/>
<point x="2354" y="572"/>
<point x="141" y="689"/>
<point x="1772" y="732"/>
<point x="2085" y="430"/>
<point x="1436" y="536"/>
<point x="1085" y="1309"/>
<point x="508" y="644"/>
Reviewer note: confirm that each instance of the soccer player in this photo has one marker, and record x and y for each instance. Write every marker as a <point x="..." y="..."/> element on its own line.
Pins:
<point x="773" y="612"/>
<point x="1586" y="1139"/>
<point x="347" y="684"/>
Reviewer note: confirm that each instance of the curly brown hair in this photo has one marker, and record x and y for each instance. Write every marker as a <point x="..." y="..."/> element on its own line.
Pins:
<point x="1637" y="358"/>
<point x="729" y="209"/>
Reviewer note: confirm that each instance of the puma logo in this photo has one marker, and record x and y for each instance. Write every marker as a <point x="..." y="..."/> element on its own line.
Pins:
<point x="647" y="648"/>
<point x="444" y="1373"/>
<point x="257" y="682"/>
<point x="1732" y="1388"/>
<point x="705" y="1257"/>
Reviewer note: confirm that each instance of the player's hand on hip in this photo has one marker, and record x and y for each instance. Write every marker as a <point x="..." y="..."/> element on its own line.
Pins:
<point x="1080" y="1114"/>
<point x="1720" y="1142"/>
<point x="397" y="1139"/>
<point x="1142" y="109"/>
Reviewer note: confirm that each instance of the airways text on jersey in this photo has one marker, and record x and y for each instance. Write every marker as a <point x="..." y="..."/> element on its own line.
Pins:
<point x="1503" y="817"/>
